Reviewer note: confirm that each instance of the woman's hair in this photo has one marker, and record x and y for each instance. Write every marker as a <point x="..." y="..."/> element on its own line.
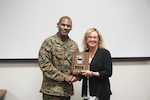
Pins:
<point x="87" y="34"/>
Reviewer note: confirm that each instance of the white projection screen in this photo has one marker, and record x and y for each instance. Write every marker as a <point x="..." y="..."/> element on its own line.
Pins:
<point x="25" y="24"/>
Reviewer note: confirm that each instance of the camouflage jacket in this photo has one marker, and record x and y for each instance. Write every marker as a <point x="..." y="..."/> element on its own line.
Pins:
<point x="54" y="60"/>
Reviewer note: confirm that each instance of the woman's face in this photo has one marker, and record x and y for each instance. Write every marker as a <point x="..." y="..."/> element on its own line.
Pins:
<point x="92" y="40"/>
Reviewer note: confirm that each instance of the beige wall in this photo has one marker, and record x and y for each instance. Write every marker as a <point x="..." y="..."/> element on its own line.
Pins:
<point x="130" y="81"/>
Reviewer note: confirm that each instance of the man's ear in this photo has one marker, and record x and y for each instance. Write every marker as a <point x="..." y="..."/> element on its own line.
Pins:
<point x="57" y="25"/>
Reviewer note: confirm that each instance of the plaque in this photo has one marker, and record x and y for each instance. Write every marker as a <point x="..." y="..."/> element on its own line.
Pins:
<point x="80" y="61"/>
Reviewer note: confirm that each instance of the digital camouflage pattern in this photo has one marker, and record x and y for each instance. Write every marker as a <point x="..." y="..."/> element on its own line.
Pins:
<point x="54" y="59"/>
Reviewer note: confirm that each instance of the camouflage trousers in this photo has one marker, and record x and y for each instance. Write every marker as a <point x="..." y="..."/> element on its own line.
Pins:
<point x="52" y="97"/>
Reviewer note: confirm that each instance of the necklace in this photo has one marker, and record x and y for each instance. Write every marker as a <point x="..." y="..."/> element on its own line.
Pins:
<point x="91" y="54"/>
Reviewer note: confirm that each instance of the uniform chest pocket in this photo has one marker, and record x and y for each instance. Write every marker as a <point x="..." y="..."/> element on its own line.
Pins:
<point x="58" y="52"/>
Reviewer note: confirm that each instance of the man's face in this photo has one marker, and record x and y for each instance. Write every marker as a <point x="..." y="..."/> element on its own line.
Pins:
<point x="64" y="26"/>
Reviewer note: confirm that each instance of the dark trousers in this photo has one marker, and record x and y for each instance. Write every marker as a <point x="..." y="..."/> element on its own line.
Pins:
<point x="52" y="97"/>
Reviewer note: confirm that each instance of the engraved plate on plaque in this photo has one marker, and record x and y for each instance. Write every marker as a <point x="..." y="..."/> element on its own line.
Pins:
<point x="80" y="61"/>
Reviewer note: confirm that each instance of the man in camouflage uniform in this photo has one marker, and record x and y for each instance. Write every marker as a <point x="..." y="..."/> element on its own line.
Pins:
<point x="55" y="62"/>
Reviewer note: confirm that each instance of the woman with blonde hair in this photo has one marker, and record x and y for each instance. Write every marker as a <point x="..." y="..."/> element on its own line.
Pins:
<point x="96" y="85"/>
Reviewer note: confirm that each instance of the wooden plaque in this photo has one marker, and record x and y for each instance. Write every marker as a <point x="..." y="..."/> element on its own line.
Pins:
<point x="80" y="61"/>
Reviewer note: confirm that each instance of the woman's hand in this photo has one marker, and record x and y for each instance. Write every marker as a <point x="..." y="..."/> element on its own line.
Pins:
<point x="86" y="73"/>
